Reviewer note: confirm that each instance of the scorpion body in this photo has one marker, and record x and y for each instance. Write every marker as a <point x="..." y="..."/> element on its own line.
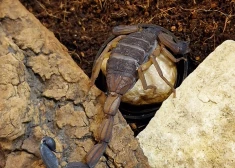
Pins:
<point x="131" y="51"/>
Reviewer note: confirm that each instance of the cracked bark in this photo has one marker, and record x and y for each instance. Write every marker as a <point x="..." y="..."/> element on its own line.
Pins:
<point x="44" y="92"/>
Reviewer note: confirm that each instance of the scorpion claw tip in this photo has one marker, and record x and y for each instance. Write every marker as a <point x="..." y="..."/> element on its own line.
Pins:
<point x="184" y="47"/>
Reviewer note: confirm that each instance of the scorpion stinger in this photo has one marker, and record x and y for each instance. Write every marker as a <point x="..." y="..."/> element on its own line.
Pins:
<point x="47" y="150"/>
<point x="131" y="51"/>
<point x="47" y="147"/>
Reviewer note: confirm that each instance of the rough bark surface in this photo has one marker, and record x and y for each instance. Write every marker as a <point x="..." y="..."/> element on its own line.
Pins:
<point x="44" y="92"/>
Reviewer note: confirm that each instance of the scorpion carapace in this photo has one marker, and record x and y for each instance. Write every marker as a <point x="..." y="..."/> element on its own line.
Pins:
<point x="131" y="50"/>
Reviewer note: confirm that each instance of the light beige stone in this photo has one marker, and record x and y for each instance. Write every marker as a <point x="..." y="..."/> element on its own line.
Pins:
<point x="19" y="159"/>
<point x="14" y="98"/>
<point x="196" y="129"/>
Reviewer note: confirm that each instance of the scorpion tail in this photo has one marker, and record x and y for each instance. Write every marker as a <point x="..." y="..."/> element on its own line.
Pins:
<point x="110" y="109"/>
<point x="77" y="165"/>
<point x="95" y="153"/>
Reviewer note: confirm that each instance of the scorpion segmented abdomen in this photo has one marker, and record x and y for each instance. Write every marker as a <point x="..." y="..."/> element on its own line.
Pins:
<point x="136" y="45"/>
<point x="129" y="54"/>
<point x="121" y="74"/>
<point x="145" y="35"/>
<point x="119" y="64"/>
<point x="128" y="51"/>
<point x="119" y="84"/>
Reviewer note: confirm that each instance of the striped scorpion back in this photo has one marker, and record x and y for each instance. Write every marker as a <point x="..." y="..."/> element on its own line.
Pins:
<point x="130" y="52"/>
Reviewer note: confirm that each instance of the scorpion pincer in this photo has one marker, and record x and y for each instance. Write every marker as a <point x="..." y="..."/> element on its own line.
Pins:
<point x="131" y="50"/>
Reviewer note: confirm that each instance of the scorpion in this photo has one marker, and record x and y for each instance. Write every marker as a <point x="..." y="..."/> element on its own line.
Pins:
<point x="131" y="50"/>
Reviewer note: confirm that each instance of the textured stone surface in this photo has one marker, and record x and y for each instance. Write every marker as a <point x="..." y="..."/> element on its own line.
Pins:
<point x="196" y="129"/>
<point x="45" y="93"/>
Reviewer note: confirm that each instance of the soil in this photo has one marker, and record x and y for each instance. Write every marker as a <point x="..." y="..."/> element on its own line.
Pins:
<point x="83" y="26"/>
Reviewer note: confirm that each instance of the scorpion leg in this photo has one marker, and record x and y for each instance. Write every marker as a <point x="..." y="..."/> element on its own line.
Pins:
<point x="165" y="52"/>
<point x="142" y="68"/>
<point x="177" y="47"/>
<point x="105" y="53"/>
<point x="125" y="29"/>
<point x="155" y="63"/>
